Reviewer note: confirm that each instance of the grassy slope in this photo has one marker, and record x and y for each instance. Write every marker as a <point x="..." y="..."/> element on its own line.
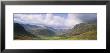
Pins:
<point x="91" y="35"/>
<point x="81" y="32"/>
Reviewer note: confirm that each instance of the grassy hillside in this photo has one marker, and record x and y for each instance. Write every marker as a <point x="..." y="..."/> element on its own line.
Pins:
<point x="82" y="31"/>
<point x="20" y="33"/>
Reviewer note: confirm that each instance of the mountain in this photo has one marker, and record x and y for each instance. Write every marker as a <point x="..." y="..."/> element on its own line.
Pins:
<point x="20" y="32"/>
<point x="19" y="29"/>
<point x="61" y="31"/>
<point x="82" y="31"/>
<point x="58" y="30"/>
<point x="83" y="28"/>
<point x="43" y="30"/>
<point x="39" y="30"/>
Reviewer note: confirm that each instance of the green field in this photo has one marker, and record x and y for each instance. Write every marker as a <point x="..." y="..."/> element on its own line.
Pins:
<point x="83" y="31"/>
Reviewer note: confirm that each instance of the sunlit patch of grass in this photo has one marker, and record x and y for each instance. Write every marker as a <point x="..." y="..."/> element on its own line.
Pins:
<point x="90" y="35"/>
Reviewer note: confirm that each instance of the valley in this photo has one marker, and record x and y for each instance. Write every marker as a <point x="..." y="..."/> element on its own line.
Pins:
<point x="82" y="31"/>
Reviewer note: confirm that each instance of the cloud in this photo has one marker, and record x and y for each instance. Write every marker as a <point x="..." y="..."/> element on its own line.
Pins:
<point x="72" y="20"/>
<point x="55" y="20"/>
<point x="49" y="20"/>
<point x="28" y="18"/>
<point x="87" y="17"/>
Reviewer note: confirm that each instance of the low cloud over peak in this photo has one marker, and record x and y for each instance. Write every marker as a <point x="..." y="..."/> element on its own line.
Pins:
<point x="56" y="20"/>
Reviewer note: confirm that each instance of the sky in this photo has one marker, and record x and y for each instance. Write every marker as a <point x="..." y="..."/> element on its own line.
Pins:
<point x="55" y="20"/>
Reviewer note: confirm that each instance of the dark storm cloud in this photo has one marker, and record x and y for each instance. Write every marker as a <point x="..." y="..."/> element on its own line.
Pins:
<point x="87" y="17"/>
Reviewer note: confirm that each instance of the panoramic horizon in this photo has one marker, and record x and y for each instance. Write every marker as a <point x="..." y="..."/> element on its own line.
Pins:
<point x="55" y="26"/>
